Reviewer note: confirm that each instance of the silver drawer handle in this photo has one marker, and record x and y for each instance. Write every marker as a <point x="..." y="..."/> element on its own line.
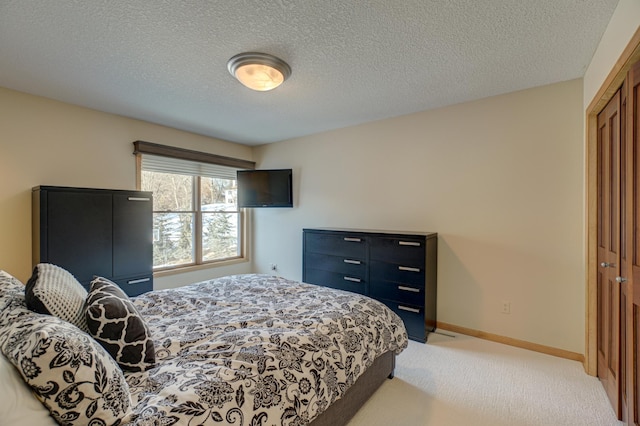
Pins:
<point x="409" y="269"/>
<point x="355" y="280"/>
<point x="353" y="262"/>
<point x="414" y="290"/>
<point x="352" y="240"/>
<point x="409" y="243"/>
<point x="138" y="199"/>
<point x="141" y="280"/>
<point x="408" y="309"/>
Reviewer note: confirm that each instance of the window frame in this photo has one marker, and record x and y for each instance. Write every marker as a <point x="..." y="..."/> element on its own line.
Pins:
<point x="141" y="148"/>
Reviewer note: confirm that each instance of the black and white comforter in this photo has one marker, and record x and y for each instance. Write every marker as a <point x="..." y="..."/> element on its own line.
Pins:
<point x="256" y="350"/>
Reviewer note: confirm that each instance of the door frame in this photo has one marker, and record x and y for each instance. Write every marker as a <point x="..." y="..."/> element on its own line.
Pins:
<point x="618" y="73"/>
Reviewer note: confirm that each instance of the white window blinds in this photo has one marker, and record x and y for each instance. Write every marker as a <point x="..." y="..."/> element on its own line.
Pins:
<point x="154" y="163"/>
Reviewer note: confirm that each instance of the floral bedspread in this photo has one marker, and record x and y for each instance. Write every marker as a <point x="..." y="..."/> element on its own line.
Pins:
<point x="256" y="350"/>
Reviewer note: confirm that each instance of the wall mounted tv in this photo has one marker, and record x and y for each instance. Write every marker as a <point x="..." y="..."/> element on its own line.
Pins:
<point x="265" y="188"/>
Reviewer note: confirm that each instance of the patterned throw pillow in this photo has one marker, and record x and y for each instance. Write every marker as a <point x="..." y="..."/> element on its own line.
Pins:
<point x="69" y="372"/>
<point x="8" y="280"/>
<point x="115" y="322"/>
<point x="12" y="303"/>
<point x="53" y="290"/>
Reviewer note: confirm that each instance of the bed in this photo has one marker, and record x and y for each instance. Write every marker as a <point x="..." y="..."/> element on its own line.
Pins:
<point x="241" y="350"/>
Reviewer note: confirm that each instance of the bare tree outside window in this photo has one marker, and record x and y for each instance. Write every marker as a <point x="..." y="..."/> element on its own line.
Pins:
<point x="196" y="219"/>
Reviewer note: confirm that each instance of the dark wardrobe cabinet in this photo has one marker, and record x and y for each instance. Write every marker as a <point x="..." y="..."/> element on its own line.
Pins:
<point x="96" y="232"/>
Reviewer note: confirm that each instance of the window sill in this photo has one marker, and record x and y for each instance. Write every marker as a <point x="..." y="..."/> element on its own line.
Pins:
<point x="212" y="265"/>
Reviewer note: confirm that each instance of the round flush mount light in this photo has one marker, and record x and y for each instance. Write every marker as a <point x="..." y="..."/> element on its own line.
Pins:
<point x="259" y="71"/>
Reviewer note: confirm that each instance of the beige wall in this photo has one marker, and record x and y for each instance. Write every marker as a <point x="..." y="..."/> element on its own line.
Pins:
<point x="623" y="25"/>
<point x="499" y="179"/>
<point x="43" y="142"/>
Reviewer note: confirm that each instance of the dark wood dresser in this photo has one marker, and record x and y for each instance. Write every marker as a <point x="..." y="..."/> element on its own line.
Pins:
<point x="101" y="232"/>
<point x="396" y="268"/>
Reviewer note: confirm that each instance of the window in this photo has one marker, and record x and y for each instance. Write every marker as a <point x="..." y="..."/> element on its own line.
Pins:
<point x="196" y="219"/>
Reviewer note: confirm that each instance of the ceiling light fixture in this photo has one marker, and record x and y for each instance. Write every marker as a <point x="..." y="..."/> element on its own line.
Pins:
<point x="259" y="71"/>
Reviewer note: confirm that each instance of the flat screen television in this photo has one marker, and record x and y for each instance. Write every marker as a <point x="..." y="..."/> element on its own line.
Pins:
<point x="265" y="188"/>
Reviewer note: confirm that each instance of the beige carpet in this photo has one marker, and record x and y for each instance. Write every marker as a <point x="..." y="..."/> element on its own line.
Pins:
<point x="462" y="380"/>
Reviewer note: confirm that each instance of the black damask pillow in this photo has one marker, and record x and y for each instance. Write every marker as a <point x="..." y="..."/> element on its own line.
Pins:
<point x="115" y="322"/>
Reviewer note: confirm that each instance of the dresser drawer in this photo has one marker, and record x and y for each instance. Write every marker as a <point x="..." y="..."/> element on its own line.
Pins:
<point x="404" y="273"/>
<point x="340" y="264"/>
<point x="411" y="294"/>
<point x="331" y="279"/>
<point x="412" y="316"/>
<point x="398" y="250"/>
<point x="336" y="244"/>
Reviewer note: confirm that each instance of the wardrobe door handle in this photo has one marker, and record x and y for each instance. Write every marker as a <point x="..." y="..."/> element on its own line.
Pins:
<point x="352" y="239"/>
<point x="408" y="269"/>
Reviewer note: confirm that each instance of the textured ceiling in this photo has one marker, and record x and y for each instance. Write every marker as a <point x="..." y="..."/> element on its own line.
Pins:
<point x="164" y="61"/>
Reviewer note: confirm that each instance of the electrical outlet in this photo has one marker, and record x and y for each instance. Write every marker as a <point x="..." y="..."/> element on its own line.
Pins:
<point x="274" y="267"/>
<point x="506" y="307"/>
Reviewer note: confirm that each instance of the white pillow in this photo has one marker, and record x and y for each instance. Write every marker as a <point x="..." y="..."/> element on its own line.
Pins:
<point x="18" y="405"/>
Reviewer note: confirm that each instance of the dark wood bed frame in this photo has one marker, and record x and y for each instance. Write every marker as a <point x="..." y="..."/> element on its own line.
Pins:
<point x="342" y="410"/>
